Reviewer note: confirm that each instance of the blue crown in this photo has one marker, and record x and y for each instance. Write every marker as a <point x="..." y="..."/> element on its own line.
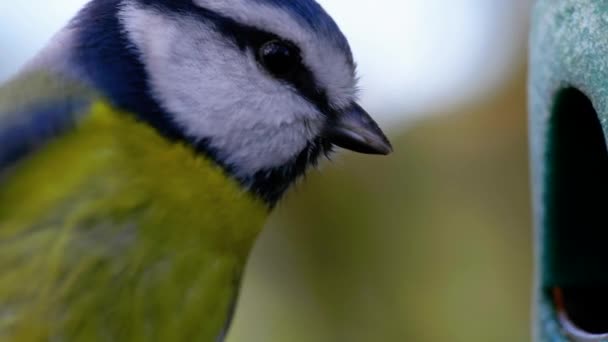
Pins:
<point x="307" y="12"/>
<point x="314" y="16"/>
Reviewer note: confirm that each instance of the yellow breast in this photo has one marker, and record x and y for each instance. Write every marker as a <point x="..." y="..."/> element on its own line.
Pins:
<point x="112" y="232"/>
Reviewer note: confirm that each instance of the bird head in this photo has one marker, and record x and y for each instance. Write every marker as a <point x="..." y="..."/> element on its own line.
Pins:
<point x="264" y="87"/>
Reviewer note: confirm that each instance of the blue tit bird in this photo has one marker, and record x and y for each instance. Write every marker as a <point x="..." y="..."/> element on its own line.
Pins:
<point x="142" y="150"/>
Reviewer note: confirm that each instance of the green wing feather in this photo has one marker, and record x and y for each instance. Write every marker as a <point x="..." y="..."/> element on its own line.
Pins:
<point x="36" y="107"/>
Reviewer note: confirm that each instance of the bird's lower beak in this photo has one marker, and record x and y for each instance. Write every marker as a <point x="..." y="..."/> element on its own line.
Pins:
<point x="355" y="130"/>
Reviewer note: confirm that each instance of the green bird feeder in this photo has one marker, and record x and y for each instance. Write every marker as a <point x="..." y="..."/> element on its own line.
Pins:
<point x="568" y="132"/>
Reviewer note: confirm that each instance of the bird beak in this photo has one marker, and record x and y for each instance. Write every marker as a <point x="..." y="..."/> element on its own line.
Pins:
<point x="355" y="130"/>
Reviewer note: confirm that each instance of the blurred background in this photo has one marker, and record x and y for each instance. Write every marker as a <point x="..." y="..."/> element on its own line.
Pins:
<point x="430" y="244"/>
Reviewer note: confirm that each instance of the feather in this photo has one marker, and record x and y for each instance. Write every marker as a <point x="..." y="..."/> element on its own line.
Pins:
<point x="34" y="108"/>
<point x="137" y="238"/>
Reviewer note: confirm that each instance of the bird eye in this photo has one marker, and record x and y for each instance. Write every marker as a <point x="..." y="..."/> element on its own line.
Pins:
<point x="280" y="58"/>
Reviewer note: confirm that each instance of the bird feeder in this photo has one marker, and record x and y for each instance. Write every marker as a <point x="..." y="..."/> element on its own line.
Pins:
<point x="568" y="130"/>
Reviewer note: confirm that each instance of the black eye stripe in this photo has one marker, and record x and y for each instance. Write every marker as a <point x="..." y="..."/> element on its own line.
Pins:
<point x="280" y="58"/>
<point x="302" y="80"/>
<point x="250" y="39"/>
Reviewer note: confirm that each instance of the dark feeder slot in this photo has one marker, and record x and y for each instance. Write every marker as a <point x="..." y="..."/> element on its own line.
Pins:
<point x="575" y="237"/>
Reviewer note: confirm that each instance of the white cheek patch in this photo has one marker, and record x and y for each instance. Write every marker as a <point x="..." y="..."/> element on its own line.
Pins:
<point x="328" y="63"/>
<point x="216" y="92"/>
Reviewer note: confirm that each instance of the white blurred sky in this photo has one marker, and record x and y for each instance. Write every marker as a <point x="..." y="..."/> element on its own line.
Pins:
<point x="414" y="56"/>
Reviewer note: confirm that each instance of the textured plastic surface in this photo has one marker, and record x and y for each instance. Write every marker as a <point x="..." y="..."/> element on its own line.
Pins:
<point x="569" y="116"/>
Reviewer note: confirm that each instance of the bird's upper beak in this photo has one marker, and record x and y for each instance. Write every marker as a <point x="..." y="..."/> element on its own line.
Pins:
<point x="355" y="130"/>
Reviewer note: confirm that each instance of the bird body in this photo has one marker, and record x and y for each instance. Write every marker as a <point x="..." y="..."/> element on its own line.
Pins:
<point x="108" y="206"/>
<point x="143" y="149"/>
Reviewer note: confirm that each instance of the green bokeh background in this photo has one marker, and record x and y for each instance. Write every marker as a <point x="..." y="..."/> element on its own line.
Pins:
<point x="430" y="244"/>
